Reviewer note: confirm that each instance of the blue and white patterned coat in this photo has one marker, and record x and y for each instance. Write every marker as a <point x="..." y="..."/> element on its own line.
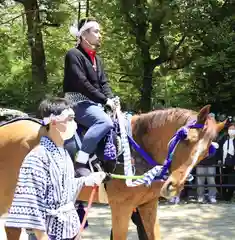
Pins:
<point x="46" y="192"/>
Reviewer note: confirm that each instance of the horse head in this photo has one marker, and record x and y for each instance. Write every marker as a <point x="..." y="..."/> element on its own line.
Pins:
<point x="190" y="151"/>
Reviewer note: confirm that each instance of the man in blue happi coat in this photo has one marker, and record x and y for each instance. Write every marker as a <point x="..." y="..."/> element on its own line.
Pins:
<point x="46" y="190"/>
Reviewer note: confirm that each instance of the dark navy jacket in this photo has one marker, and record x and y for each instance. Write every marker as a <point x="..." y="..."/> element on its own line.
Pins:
<point x="81" y="77"/>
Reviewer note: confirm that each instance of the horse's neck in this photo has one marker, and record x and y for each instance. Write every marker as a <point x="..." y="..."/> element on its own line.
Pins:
<point x="155" y="140"/>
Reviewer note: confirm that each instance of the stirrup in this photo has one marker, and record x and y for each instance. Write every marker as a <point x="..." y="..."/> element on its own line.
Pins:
<point x="96" y="165"/>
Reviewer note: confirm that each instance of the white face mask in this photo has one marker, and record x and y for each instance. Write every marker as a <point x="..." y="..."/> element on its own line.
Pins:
<point x="71" y="128"/>
<point x="231" y="132"/>
<point x="71" y="125"/>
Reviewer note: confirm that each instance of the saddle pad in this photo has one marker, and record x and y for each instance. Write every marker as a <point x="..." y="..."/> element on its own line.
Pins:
<point x="12" y="112"/>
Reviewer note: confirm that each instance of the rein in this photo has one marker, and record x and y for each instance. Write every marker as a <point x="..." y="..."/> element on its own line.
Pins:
<point x="180" y="135"/>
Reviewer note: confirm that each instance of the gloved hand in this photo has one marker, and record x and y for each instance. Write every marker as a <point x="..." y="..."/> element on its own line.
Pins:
<point x="110" y="103"/>
<point x="116" y="100"/>
<point x="95" y="178"/>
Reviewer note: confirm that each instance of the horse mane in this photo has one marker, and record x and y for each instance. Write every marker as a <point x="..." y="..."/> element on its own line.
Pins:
<point x="159" y="118"/>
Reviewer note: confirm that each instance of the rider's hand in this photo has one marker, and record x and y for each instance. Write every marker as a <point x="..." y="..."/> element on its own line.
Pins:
<point x="116" y="100"/>
<point x="110" y="103"/>
<point x="95" y="178"/>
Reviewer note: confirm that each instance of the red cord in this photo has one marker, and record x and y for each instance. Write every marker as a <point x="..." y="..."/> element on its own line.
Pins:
<point x="91" y="198"/>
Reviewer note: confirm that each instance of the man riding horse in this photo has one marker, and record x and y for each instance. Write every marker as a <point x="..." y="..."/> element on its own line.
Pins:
<point x="86" y="86"/>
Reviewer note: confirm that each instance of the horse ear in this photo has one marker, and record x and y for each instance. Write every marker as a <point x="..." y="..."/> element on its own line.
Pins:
<point x="221" y="125"/>
<point x="203" y="114"/>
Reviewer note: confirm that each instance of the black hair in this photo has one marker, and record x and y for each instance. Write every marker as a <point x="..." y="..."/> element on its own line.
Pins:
<point x="52" y="105"/>
<point x="85" y="20"/>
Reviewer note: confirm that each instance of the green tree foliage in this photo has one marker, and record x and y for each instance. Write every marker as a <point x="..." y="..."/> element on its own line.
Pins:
<point x="212" y="74"/>
<point x="158" y="33"/>
<point x="19" y="87"/>
<point x="180" y="51"/>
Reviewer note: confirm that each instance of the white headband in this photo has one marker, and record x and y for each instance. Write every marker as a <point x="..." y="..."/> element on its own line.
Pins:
<point x="58" y="118"/>
<point x="77" y="33"/>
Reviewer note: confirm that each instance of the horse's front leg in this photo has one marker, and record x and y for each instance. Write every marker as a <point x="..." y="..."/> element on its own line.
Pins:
<point x="148" y="213"/>
<point x="121" y="215"/>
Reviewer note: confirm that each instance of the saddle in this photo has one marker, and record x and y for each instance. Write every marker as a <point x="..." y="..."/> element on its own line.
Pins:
<point x="7" y="115"/>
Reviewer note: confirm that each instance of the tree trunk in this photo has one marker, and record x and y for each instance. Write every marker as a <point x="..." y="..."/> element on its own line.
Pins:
<point x="79" y="11"/>
<point x="35" y="41"/>
<point x="87" y="8"/>
<point x="146" y="91"/>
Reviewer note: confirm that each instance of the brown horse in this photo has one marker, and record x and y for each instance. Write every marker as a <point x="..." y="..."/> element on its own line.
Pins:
<point x="153" y="132"/>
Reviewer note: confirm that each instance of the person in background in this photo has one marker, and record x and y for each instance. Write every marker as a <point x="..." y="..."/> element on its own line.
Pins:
<point x="226" y="155"/>
<point x="207" y="167"/>
<point x="86" y="86"/>
<point x="206" y="171"/>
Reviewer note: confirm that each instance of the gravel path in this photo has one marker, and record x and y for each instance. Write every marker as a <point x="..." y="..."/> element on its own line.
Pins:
<point x="178" y="222"/>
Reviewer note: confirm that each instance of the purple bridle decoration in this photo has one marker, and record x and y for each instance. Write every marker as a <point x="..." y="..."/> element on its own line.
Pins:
<point x="141" y="151"/>
<point x="180" y="135"/>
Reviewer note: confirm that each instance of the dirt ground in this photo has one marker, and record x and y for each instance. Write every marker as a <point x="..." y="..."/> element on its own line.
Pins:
<point x="184" y="222"/>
